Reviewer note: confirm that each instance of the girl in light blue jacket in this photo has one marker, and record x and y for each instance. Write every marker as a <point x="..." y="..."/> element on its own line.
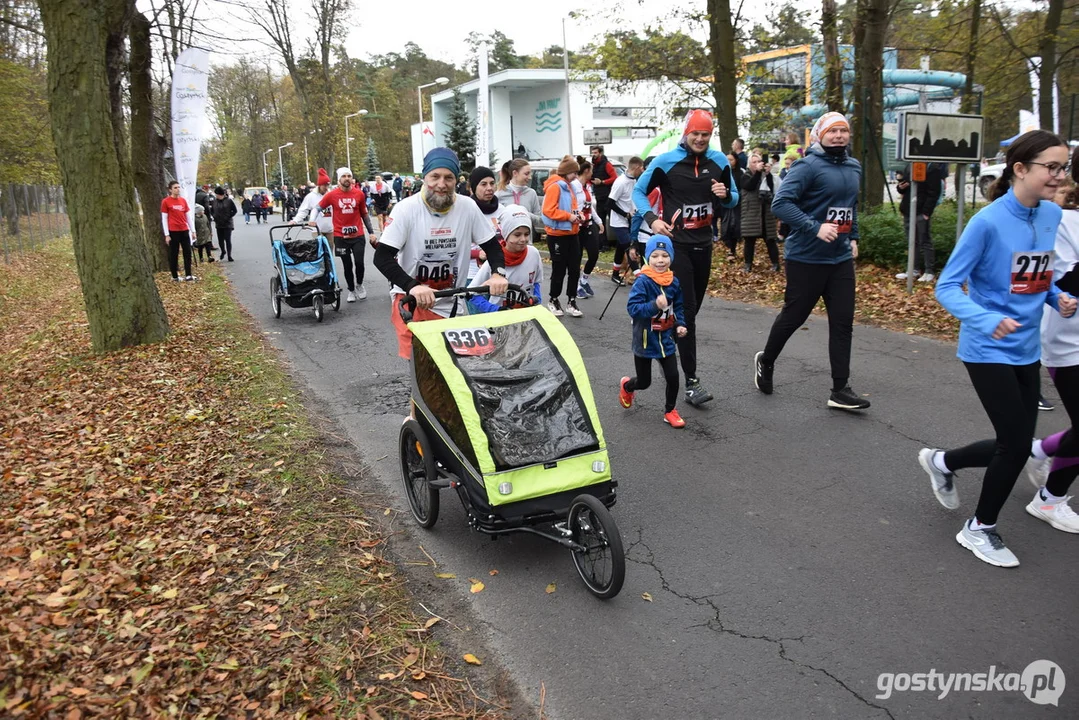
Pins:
<point x="1005" y="257"/>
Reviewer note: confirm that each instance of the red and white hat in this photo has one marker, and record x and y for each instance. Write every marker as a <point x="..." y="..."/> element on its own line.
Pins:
<point x="825" y="123"/>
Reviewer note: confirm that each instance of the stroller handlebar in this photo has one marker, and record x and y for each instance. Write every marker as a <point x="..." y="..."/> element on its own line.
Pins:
<point x="290" y="228"/>
<point x="407" y="304"/>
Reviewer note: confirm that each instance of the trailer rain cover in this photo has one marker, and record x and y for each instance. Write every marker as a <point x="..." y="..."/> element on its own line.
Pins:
<point x="527" y="401"/>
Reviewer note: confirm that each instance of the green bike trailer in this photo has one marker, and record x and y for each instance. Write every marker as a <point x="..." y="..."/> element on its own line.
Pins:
<point x="504" y="414"/>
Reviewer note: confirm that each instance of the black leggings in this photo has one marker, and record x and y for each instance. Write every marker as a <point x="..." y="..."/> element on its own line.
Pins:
<point x="200" y="249"/>
<point x="692" y="266"/>
<point x="643" y="367"/>
<point x="770" y="243"/>
<point x="1009" y="394"/>
<point x="177" y="240"/>
<point x="345" y="252"/>
<point x="806" y="284"/>
<point x="1066" y="380"/>
<point x="566" y="264"/>
<point x="590" y="244"/>
<point x="224" y="241"/>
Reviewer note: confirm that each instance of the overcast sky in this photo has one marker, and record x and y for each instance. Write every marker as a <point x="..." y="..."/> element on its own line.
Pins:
<point x="440" y="27"/>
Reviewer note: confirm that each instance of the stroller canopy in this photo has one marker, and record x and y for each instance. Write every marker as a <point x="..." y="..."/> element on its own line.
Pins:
<point x="518" y="386"/>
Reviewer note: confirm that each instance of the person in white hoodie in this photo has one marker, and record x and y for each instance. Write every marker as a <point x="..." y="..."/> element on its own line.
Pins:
<point x="309" y="211"/>
<point x="514" y="187"/>
<point x="1054" y="462"/>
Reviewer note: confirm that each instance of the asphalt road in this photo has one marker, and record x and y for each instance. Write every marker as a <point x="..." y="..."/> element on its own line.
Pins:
<point x="792" y="553"/>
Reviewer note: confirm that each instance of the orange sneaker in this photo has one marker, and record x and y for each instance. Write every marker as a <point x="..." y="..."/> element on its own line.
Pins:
<point x="624" y="396"/>
<point x="674" y="419"/>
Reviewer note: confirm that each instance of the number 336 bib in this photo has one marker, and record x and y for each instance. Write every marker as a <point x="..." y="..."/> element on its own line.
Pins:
<point x="1031" y="271"/>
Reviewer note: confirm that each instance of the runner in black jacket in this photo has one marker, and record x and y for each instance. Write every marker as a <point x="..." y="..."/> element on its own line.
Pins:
<point x="695" y="181"/>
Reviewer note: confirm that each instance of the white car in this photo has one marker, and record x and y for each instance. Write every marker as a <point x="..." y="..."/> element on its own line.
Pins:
<point x="989" y="175"/>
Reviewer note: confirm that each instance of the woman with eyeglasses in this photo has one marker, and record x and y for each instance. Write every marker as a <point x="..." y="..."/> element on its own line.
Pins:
<point x="1005" y="257"/>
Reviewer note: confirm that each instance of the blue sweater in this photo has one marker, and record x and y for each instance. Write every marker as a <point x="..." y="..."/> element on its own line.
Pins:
<point x="647" y="341"/>
<point x="819" y="188"/>
<point x="999" y="243"/>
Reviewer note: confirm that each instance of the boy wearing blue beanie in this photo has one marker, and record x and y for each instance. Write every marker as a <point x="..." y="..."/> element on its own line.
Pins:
<point x="655" y="305"/>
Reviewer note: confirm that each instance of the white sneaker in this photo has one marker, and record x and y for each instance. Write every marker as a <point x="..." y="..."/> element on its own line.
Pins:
<point x="927" y="277"/>
<point x="1037" y="471"/>
<point x="1058" y="514"/>
<point x="987" y="546"/>
<point x="361" y="293"/>
<point x="901" y="276"/>
<point x="351" y="297"/>
<point x="190" y="278"/>
<point x="943" y="483"/>
<point x="572" y="309"/>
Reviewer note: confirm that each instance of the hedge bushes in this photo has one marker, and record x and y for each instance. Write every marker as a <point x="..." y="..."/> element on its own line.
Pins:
<point x="884" y="243"/>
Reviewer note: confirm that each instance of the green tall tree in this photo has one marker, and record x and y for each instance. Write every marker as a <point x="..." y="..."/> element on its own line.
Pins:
<point x="461" y="137"/>
<point x="371" y="161"/>
<point x="86" y="40"/>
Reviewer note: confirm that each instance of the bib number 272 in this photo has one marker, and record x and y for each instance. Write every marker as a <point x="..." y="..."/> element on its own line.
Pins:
<point x="1031" y="272"/>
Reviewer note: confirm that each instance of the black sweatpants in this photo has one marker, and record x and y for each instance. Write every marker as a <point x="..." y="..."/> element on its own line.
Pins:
<point x="346" y="249"/>
<point x="806" y="284"/>
<point x="643" y="367"/>
<point x="1066" y="381"/>
<point x="692" y="266"/>
<point x="925" y="255"/>
<point x="770" y="243"/>
<point x="565" y="264"/>
<point x="207" y="249"/>
<point x="590" y="244"/>
<point x="177" y="240"/>
<point x="1009" y="394"/>
<point x="224" y="241"/>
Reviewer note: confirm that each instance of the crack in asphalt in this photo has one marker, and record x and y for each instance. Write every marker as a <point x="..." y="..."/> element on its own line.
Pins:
<point x="716" y="623"/>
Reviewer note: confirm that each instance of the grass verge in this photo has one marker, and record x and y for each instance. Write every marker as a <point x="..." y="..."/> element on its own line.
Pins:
<point x="175" y="541"/>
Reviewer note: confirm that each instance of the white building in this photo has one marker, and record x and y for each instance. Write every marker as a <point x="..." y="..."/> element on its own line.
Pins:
<point x="531" y="108"/>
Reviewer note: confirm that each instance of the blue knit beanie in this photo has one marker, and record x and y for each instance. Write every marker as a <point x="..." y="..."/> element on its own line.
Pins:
<point x="658" y="242"/>
<point x="442" y="158"/>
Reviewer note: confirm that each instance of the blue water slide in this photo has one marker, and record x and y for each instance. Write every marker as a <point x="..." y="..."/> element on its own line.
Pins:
<point x="949" y="81"/>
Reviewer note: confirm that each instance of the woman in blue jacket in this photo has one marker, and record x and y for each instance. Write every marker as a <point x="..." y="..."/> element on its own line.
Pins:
<point x="1005" y="257"/>
<point x="817" y="200"/>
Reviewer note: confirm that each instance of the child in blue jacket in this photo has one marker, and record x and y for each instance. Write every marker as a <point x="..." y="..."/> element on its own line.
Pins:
<point x="655" y="305"/>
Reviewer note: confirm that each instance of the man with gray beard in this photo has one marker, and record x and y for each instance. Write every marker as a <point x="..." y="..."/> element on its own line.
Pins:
<point x="425" y="246"/>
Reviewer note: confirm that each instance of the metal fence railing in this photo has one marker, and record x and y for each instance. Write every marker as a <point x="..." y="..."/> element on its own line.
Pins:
<point x="30" y="216"/>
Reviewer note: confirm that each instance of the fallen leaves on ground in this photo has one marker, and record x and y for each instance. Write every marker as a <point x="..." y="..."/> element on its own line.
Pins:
<point x="472" y="659"/>
<point x="551" y="588"/>
<point x="647" y="597"/>
<point x="880" y="299"/>
<point x="173" y="541"/>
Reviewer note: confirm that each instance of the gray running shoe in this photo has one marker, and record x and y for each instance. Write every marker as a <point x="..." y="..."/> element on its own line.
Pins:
<point x="943" y="483"/>
<point x="987" y="546"/>
<point x="695" y="394"/>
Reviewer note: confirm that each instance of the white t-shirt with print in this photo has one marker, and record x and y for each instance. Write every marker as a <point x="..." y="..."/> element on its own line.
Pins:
<point x="433" y="247"/>
<point x="622" y="195"/>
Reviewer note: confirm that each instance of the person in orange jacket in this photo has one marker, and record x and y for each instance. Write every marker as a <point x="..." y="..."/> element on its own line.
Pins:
<point x="562" y="221"/>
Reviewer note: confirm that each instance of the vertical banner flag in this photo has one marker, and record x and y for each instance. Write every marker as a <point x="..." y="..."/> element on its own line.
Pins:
<point x="482" y="132"/>
<point x="190" y="76"/>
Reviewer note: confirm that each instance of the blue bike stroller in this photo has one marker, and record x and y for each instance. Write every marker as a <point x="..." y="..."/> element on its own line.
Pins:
<point x="306" y="276"/>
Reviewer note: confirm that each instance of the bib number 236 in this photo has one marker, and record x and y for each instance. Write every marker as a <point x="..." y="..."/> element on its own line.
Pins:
<point x="841" y="216"/>
<point x="470" y="341"/>
<point x="1031" y="272"/>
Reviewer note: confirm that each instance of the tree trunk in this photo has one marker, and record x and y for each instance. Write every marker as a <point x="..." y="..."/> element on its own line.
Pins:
<point x="871" y="25"/>
<point x="147" y="146"/>
<point x="833" y="63"/>
<point x="1047" y="48"/>
<point x="85" y="42"/>
<point x="724" y="72"/>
